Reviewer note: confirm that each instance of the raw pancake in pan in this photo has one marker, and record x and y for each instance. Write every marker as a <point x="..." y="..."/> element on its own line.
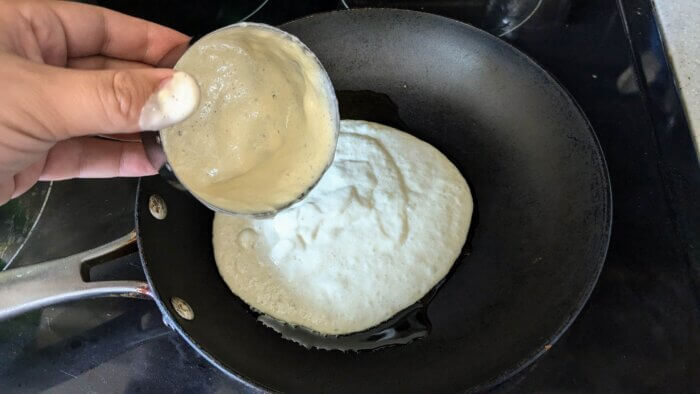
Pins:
<point x="382" y="227"/>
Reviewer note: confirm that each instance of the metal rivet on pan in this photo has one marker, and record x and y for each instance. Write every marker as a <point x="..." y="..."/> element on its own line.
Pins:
<point x="157" y="206"/>
<point x="182" y="308"/>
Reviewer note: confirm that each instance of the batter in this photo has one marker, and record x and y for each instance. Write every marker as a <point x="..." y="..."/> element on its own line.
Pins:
<point x="267" y="122"/>
<point x="382" y="227"/>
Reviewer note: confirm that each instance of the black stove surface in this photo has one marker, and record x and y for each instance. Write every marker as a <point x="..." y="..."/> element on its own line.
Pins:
<point x="639" y="332"/>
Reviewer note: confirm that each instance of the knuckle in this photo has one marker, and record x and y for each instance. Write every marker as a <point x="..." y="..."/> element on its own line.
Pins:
<point x="125" y="92"/>
<point x="122" y="97"/>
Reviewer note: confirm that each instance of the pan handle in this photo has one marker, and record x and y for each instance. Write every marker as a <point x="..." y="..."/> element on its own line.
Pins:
<point x="35" y="286"/>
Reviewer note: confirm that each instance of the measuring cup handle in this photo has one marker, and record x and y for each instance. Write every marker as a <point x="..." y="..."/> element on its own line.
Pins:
<point x="35" y="286"/>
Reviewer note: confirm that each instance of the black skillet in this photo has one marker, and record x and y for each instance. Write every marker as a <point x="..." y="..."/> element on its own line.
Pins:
<point x="538" y="242"/>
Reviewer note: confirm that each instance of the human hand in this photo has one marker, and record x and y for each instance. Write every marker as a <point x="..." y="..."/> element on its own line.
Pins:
<point x="71" y="71"/>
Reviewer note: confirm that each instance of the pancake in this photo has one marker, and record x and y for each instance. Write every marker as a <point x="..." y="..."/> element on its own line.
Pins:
<point x="382" y="227"/>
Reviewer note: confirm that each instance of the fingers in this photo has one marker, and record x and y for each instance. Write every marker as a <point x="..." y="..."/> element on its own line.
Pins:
<point x="95" y="158"/>
<point x="7" y="189"/>
<point x="103" y="63"/>
<point x="170" y="58"/>
<point x="127" y="137"/>
<point x="82" y="157"/>
<point x="105" y="101"/>
<point x="91" y="30"/>
<point x="26" y="178"/>
<point x="116" y="101"/>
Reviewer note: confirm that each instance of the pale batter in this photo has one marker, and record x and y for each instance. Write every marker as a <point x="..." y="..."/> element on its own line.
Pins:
<point x="383" y="226"/>
<point x="266" y="125"/>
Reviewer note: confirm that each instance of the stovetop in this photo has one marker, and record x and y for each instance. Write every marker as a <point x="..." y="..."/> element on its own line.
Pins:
<point x="639" y="332"/>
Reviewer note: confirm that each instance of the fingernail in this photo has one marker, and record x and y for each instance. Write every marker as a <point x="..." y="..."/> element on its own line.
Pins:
<point x="174" y="101"/>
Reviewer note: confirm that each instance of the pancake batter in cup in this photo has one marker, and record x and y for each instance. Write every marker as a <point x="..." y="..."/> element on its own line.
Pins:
<point x="267" y="122"/>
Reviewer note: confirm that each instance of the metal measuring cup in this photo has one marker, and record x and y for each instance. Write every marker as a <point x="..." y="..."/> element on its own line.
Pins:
<point x="158" y="158"/>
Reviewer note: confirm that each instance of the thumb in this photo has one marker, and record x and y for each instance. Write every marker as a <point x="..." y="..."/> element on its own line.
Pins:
<point x="118" y="101"/>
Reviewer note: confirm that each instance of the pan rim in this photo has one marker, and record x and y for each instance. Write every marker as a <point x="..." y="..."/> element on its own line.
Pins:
<point x="602" y="239"/>
<point x="172" y="322"/>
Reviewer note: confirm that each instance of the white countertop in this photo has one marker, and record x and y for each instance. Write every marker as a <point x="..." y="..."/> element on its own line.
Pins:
<point x="680" y="25"/>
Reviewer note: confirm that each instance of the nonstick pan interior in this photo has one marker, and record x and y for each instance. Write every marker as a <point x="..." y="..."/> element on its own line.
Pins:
<point x="543" y="213"/>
